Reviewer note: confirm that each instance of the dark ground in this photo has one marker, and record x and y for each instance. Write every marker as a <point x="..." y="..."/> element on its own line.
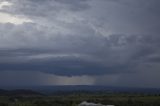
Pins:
<point x="74" y="98"/>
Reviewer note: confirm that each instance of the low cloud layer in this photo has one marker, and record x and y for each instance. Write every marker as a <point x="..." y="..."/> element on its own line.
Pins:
<point x="82" y="38"/>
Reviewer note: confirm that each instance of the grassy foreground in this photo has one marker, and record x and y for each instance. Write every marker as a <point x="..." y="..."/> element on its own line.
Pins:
<point x="75" y="99"/>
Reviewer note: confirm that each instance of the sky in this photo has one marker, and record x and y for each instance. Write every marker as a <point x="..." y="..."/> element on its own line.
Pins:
<point x="80" y="42"/>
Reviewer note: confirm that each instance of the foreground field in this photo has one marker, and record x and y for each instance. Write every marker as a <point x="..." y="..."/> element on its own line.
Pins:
<point x="75" y="99"/>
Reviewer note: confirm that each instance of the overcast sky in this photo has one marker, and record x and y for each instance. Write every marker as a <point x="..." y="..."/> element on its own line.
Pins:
<point x="80" y="42"/>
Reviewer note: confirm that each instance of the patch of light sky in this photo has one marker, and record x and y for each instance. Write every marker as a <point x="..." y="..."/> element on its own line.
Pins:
<point x="8" y="18"/>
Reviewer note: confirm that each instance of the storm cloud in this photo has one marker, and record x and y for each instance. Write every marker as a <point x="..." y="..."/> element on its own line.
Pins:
<point x="75" y="38"/>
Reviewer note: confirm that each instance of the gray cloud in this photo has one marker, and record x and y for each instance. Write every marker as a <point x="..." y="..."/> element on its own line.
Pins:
<point x="115" y="54"/>
<point x="47" y="8"/>
<point x="81" y="37"/>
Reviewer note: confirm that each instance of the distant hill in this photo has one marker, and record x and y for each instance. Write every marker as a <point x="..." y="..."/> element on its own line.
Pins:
<point x="19" y="92"/>
<point x="67" y="89"/>
<point x="3" y="92"/>
<point x="90" y="88"/>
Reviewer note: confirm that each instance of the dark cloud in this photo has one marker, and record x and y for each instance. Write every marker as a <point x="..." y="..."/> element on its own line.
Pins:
<point x="20" y="78"/>
<point x="63" y="66"/>
<point x="75" y="5"/>
<point x="113" y="55"/>
<point x="82" y="37"/>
